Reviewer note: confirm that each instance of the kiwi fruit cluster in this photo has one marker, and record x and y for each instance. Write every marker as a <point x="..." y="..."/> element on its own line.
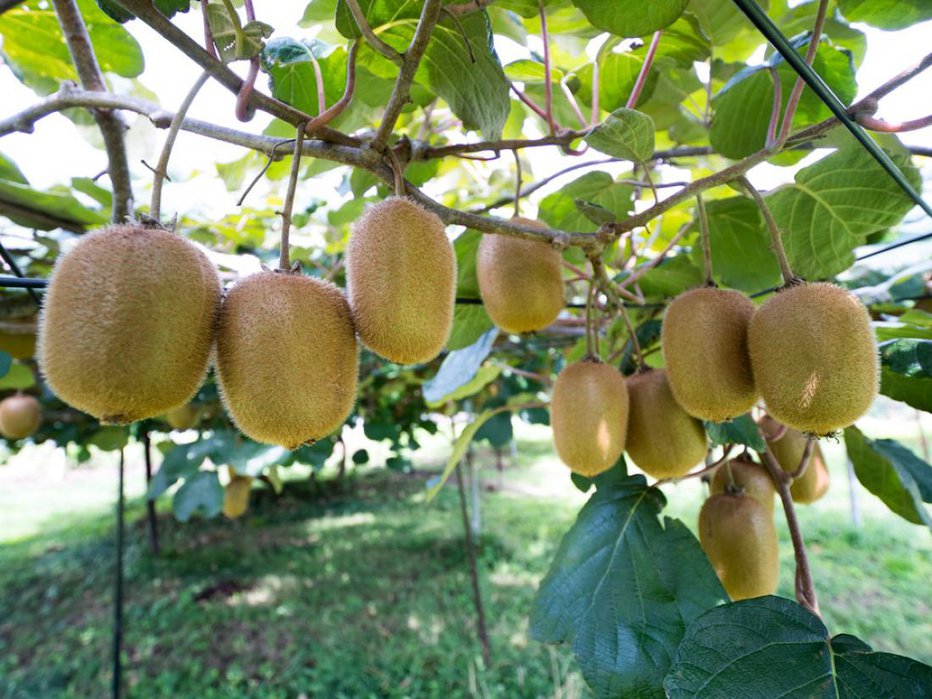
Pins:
<point x="520" y="281"/>
<point x="20" y="415"/>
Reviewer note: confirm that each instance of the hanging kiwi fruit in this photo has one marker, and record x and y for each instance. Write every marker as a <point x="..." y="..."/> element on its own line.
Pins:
<point x="126" y="327"/>
<point x="787" y="446"/>
<point x="20" y="415"/>
<point x="743" y="475"/>
<point x="401" y="277"/>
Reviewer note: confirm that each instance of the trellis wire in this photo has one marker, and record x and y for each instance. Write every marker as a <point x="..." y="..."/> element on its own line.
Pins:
<point x="776" y="38"/>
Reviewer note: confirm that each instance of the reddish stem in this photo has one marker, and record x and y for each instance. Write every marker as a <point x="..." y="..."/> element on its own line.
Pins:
<point x="645" y="70"/>
<point x="548" y="71"/>
<point x="874" y="124"/>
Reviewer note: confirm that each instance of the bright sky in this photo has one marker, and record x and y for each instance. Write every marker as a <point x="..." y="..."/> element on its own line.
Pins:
<point x="57" y="151"/>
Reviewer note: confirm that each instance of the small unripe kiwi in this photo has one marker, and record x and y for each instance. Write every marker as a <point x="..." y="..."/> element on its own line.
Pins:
<point x="589" y="416"/>
<point x="401" y="274"/>
<point x="18" y="338"/>
<point x="705" y="349"/>
<point x="127" y="324"/>
<point x="788" y="450"/>
<point x="236" y="496"/>
<point x="814" y="357"/>
<point x="750" y="478"/>
<point x="287" y="358"/>
<point x="664" y="441"/>
<point x="184" y="417"/>
<point x="738" y="536"/>
<point x="19" y="416"/>
<point x="520" y="281"/>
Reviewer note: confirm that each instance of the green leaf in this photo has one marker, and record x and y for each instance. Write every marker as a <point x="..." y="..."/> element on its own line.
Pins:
<point x="224" y="31"/>
<point x="458" y="369"/>
<point x="167" y="7"/>
<point x="631" y="17"/>
<point x="741" y="430"/>
<point x="671" y="277"/>
<point x="559" y="209"/>
<point x="57" y="202"/>
<point x="742" y="108"/>
<point x="833" y="206"/>
<point x="893" y="473"/>
<point x="618" y="72"/>
<point x="622" y="589"/>
<point x="742" y="257"/>
<point x="626" y="134"/>
<point x="19" y="377"/>
<point x="109" y="438"/>
<point x="906" y="372"/>
<point x="181" y="461"/>
<point x="772" y="647"/>
<point x="6" y="361"/>
<point x="886" y="14"/>
<point x="483" y="377"/>
<point x="466" y="246"/>
<point x="470" y="321"/>
<point x="290" y="66"/>
<point x="202" y="494"/>
<point x="10" y="171"/>
<point x="459" y="450"/>
<point x="497" y="430"/>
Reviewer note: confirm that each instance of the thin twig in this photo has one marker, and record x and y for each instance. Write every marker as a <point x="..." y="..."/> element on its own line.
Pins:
<point x="725" y="458"/>
<point x="371" y="37"/>
<point x="873" y="124"/>
<point x="596" y="86"/>
<point x="536" y="108"/>
<point x="517" y="183"/>
<point x="273" y="156"/>
<point x="800" y="84"/>
<point x="161" y="168"/>
<point x="574" y="105"/>
<point x="775" y="238"/>
<point x="284" y="259"/>
<point x="592" y="349"/>
<point x="333" y="112"/>
<point x="706" y="243"/>
<point x="635" y="344"/>
<point x="804" y="460"/>
<point x="645" y="70"/>
<point x="776" y="109"/>
<point x="548" y="70"/>
<point x="398" y="172"/>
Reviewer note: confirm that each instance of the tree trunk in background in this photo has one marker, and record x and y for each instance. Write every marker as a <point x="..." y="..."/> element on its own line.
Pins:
<point x="853" y="494"/>
<point x="152" y="521"/>
<point x="473" y="568"/>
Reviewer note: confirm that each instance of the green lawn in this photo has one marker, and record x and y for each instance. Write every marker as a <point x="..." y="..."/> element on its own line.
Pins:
<point x="361" y="589"/>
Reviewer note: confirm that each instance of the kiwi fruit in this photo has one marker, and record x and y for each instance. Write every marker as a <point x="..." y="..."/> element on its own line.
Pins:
<point x="236" y="496"/>
<point x="520" y="281"/>
<point x="738" y="536"/>
<point x="788" y="450"/>
<point x="19" y="416"/>
<point x="18" y="338"/>
<point x="748" y="477"/>
<point x="184" y="417"/>
<point x="664" y="440"/>
<point x="287" y="358"/>
<point x="705" y="350"/>
<point x="126" y="329"/>
<point x="589" y="416"/>
<point x="401" y="274"/>
<point x="814" y="357"/>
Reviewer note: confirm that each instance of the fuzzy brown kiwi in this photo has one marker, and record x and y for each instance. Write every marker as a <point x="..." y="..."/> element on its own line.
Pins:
<point x="738" y="536"/>
<point x="814" y="357"/>
<point x="401" y="274"/>
<point x="520" y="281"/>
<point x="747" y="476"/>
<point x="19" y="416"/>
<point x="589" y="416"/>
<point x="184" y="417"/>
<point x="128" y="321"/>
<point x="287" y="358"/>
<point x="236" y="496"/>
<point x="664" y="440"/>
<point x="788" y="449"/>
<point x="705" y="349"/>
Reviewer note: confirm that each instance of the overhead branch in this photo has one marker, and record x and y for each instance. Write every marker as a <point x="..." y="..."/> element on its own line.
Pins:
<point x="401" y="93"/>
<point x="110" y="124"/>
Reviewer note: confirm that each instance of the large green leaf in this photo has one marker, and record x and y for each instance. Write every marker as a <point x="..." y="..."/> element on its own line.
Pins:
<point x="886" y="14"/>
<point x="458" y="369"/>
<point x="631" y="17"/>
<point x="906" y="372"/>
<point x="834" y="205"/>
<point x="57" y="202"/>
<point x="290" y="66"/>
<point x="892" y="473"/>
<point x="742" y="257"/>
<point x="560" y="210"/>
<point x="201" y="494"/>
<point x="618" y="73"/>
<point x="36" y="51"/>
<point x="622" y="589"/>
<point x="741" y="430"/>
<point x="626" y="134"/>
<point x="470" y="321"/>
<point x="772" y="647"/>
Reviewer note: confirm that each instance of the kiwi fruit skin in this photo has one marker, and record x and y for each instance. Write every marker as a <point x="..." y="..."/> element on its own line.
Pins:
<point x="184" y="417"/>
<point x="664" y="440"/>
<point x="738" y="535"/>
<point x="751" y="477"/>
<point x="287" y="358"/>
<point x="520" y="281"/>
<point x="236" y="496"/>
<point x="788" y="451"/>
<point x="19" y="416"/>
<point x="589" y="416"/>
<point x="705" y="350"/>
<point x="814" y="357"/>
<point x="126" y="329"/>
<point x="401" y="274"/>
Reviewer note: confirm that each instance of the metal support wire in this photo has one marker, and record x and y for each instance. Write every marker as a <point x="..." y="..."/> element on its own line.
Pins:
<point x="11" y="263"/>
<point x="776" y="38"/>
<point x="117" y="684"/>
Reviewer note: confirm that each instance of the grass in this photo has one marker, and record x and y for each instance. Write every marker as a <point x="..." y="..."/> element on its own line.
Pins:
<point x="360" y="589"/>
